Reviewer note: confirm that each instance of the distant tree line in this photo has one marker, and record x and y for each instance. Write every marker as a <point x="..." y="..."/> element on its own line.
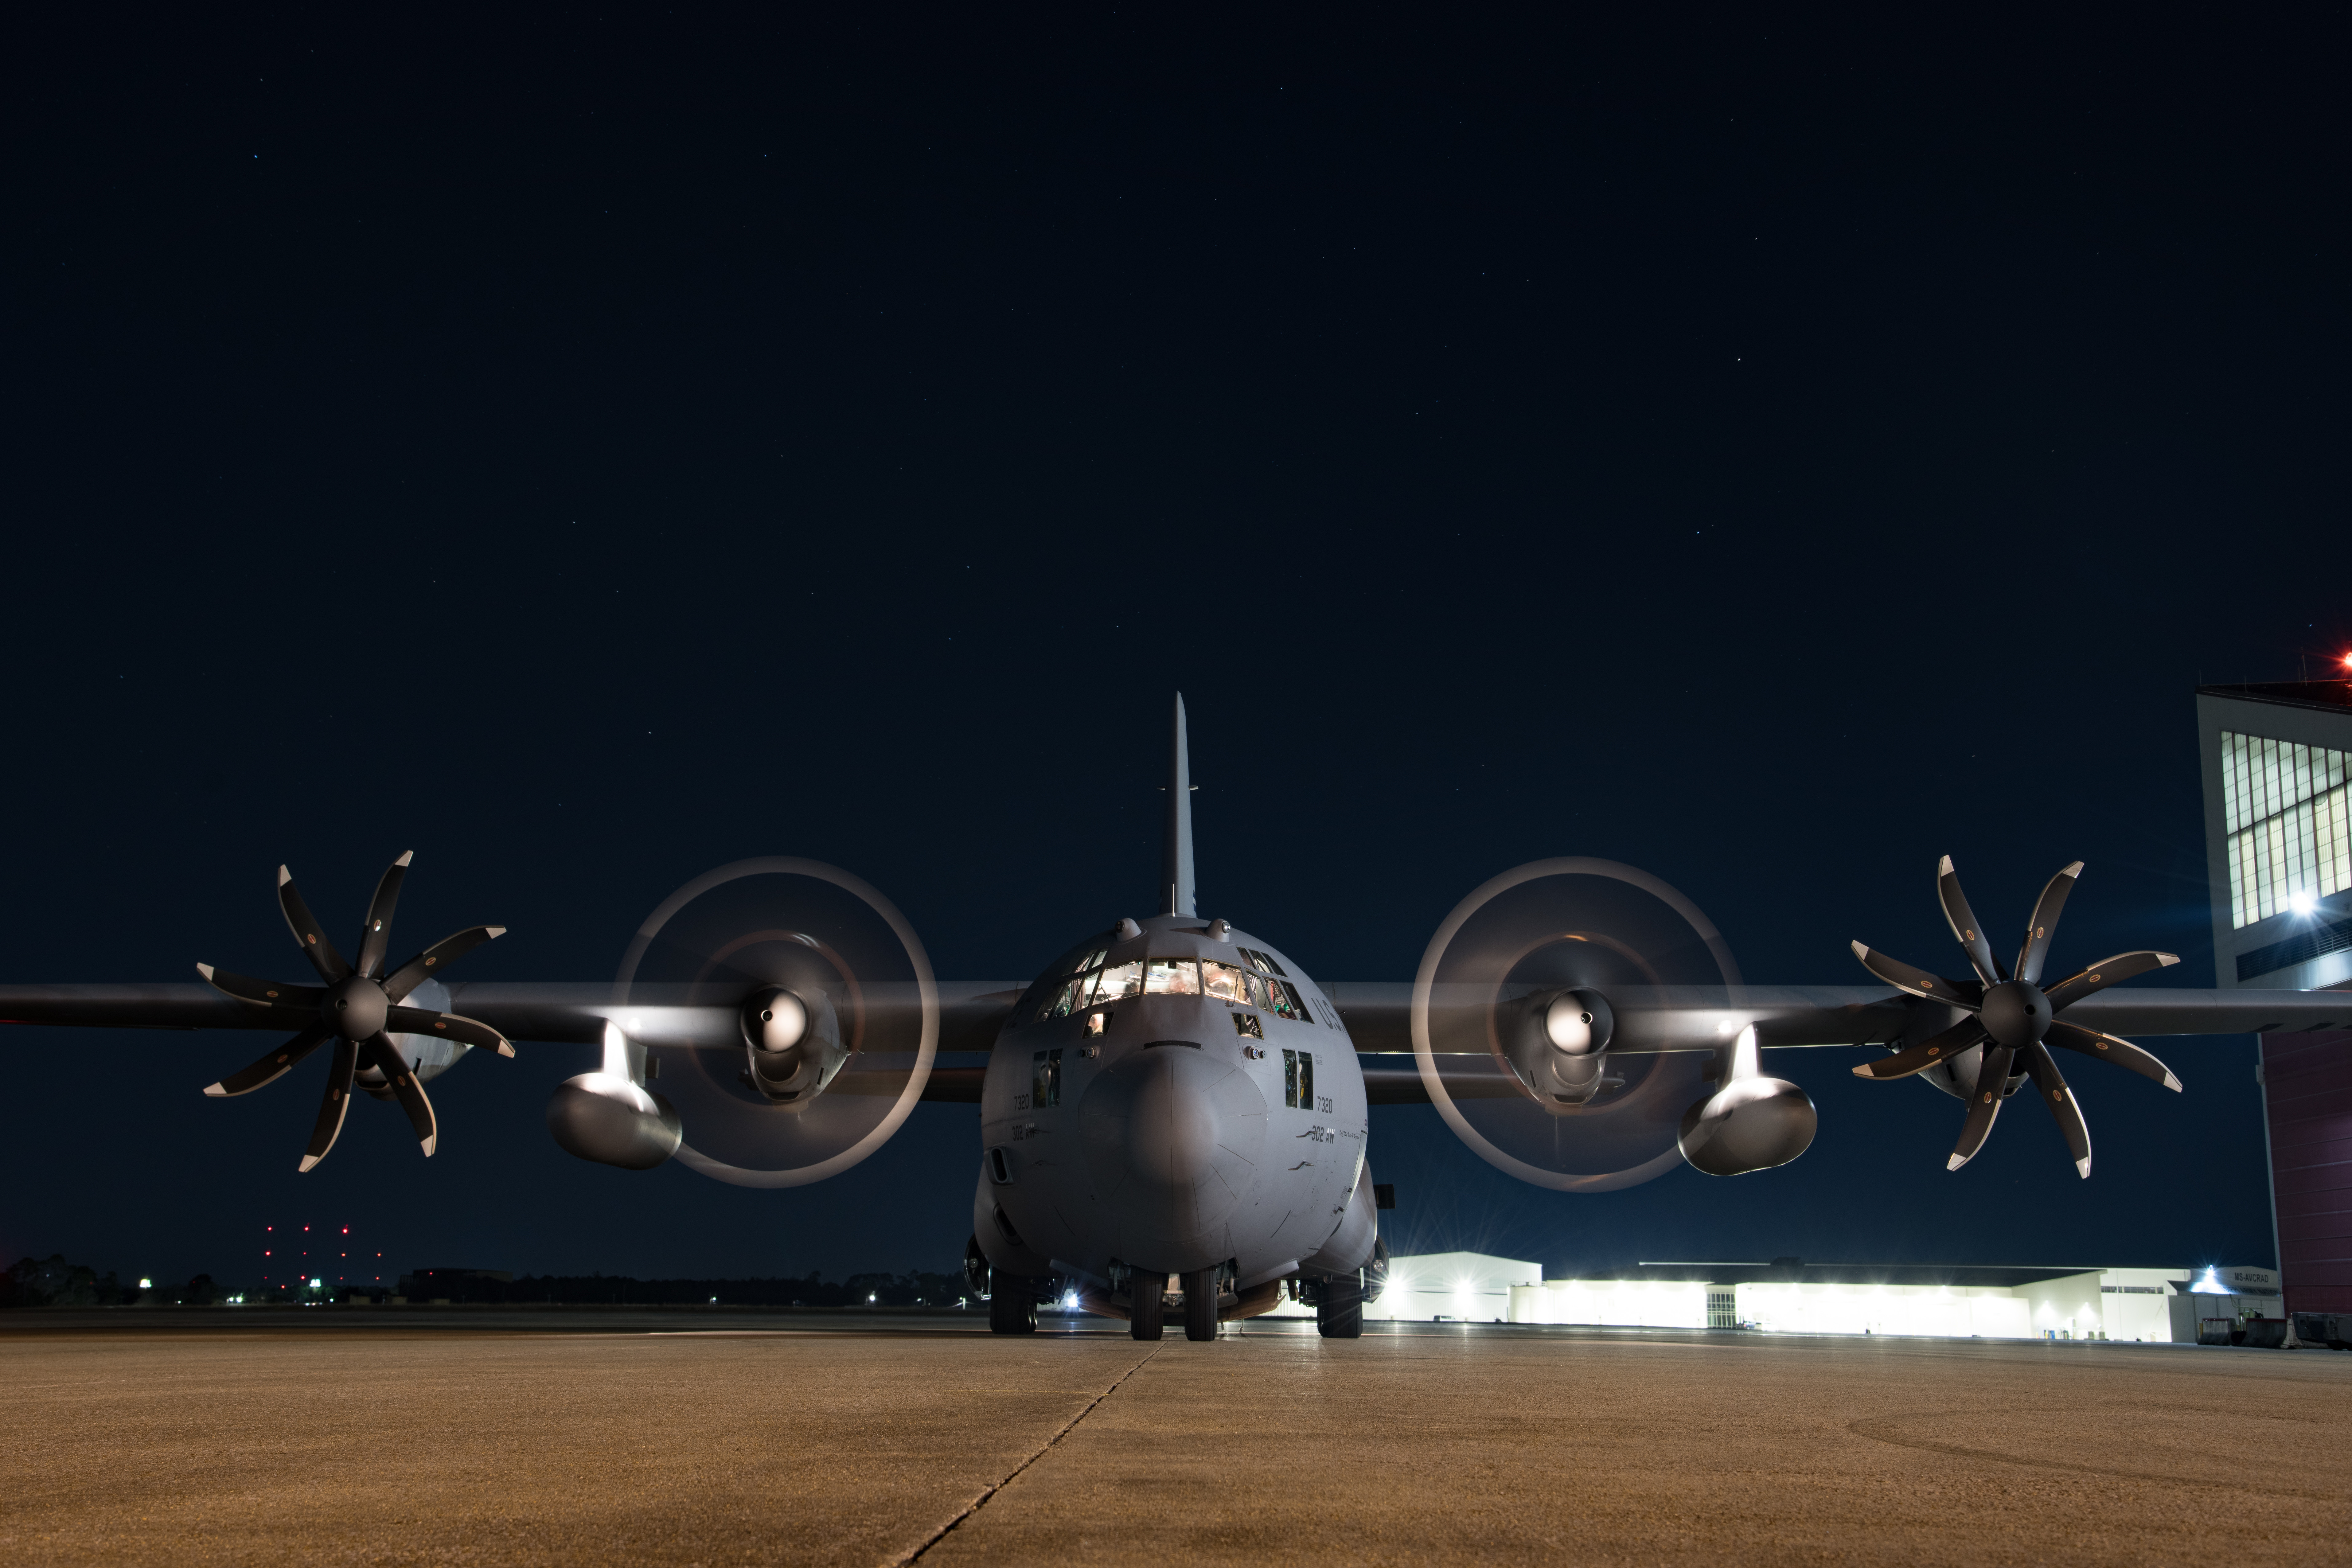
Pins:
<point x="912" y="1290"/>
<point x="52" y="1282"/>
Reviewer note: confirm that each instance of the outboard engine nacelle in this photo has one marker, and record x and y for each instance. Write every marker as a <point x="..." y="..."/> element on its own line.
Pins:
<point x="794" y="1043"/>
<point x="1752" y="1123"/>
<point x="1559" y="1045"/>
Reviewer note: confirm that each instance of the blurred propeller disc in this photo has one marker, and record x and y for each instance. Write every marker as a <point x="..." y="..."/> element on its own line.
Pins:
<point x="856" y="970"/>
<point x="1533" y="932"/>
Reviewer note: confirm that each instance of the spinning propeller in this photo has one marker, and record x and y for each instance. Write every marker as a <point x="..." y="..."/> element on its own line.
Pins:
<point x="1539" y="972"/>
<point x="2011" y="1019"/>
<point x="359" y="1008"/>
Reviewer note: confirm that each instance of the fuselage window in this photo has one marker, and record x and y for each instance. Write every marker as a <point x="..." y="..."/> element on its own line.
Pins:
<point x="1071" y="995"/>
<point x="1248" y="1024"/>
<point x="1094" y="1025"/>
<point x="1069" y="998"/>
<point x="1278" y="997"/>
<point x="1298" y="1080"/>
<point x="1119" y="980"/>
<point x="1171" y="977"/>
<point x="1044" y="1079"/>
<point x="1226" y="982"/>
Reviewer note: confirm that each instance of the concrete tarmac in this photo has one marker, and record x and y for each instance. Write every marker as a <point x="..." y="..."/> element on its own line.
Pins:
<point x="342" y="1436"/>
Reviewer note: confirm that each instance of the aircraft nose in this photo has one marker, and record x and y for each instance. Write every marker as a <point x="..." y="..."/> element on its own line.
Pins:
<point x="1173" y="1137"/>
<point x="1172" y="1128"/>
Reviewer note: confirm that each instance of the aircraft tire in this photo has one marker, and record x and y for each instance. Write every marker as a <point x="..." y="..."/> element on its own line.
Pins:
<point x="1339" y="1309"/>
<point x="1201" y="1304"/>
<point x="1150" y="1307"/>
<point x="1013" y="1306"/>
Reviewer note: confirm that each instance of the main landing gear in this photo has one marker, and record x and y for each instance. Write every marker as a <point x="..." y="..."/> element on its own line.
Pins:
<point x="1013" y="1305"/>
<point x="1339" y="1308"/>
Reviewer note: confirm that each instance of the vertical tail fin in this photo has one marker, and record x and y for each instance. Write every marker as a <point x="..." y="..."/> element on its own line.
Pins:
<point x="1176" y="871"/>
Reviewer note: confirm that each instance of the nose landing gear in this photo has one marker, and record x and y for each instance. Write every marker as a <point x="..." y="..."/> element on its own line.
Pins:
<point x="1200" y="1303"/>
<point x="1150" y="1309"/>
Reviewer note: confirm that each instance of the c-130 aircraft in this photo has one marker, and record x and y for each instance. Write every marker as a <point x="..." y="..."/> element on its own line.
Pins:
<point x="1173" y="1112"/>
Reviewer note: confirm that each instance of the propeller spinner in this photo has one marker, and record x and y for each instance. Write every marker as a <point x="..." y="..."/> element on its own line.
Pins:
<point x="358" y="1007"/>
<point x="2010" y="1019"/>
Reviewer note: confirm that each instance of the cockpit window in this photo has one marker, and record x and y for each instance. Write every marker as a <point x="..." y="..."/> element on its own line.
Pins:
<point x="1119" y="980"/>
<point x="1171" y="977"/>
<point x="1226" y="982"/>
<point x="1262" y="961"/>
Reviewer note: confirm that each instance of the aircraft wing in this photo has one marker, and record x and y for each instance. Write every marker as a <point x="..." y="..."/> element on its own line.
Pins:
<point x="1699" y="1017"/>
<point x="971" y="1013"/>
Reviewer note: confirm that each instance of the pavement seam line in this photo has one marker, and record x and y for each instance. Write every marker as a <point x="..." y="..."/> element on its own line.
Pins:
<point x="1862" y="1428"/>
<point x="976" y="1504"/>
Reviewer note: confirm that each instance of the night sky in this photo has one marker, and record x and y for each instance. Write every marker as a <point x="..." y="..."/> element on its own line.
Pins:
<point x="589" y="451"/>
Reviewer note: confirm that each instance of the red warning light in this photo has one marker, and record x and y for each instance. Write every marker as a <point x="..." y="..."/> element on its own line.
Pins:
<point x="2348" y="661"/>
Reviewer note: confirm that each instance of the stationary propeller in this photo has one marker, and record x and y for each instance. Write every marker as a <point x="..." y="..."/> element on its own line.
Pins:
<point x="2010" y="1019"/>
<point x="359" y="1008"/>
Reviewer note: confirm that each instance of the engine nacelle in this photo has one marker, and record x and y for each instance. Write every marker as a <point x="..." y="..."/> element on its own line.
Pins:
<point x="605" y="1118"/>
<point x="1559" y="1044"/>
<point x="1749" y="1124"/>
<point x="794" y="1041"/>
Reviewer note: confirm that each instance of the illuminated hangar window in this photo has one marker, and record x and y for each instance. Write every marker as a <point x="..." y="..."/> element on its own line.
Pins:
<point x="2290" y="840"/>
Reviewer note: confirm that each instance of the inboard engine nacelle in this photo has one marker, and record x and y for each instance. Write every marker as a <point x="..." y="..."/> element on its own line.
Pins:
<point x="1559" y="1045"/>
<point x="793" y="1042"/>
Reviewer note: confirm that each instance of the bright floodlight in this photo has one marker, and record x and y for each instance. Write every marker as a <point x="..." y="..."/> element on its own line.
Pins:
<point x="2302" y="900"/>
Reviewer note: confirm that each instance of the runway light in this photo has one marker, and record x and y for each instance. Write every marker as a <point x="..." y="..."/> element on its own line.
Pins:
<point x="146" y="1284"/>
<point x="2302" y="900"/>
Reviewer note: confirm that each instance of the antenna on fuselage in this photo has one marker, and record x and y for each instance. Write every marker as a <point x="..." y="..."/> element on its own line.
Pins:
<point x="1176" y="869"/>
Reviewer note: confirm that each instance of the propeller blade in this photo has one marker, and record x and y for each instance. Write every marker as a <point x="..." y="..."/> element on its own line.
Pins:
<point x="270" y="1069"/>
<point x="1918" y="981"/>
<point x="2051" y="1084"/>
<point x="1992" y="1077"/>
<point x="1924" y="1055"/>
<point x="437" y="957"/>
<point x="1964" y="923"/>
<point x="446" y="1027"/>
<point x="310" y="935"/>
<point x="2107" y="1049"/>
<point x="2105" y="973"/>
<point x="385" y="1058"/>
<point x="378" y="934"/>
<point x="337" y="1101"/>
<point x="2045" y="920"/>
<point x="265" y="993"/>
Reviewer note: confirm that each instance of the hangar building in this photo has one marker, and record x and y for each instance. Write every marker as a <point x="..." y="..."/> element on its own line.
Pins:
<point x="2278" y="846"/>
<point x="1790" y="1295"/>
